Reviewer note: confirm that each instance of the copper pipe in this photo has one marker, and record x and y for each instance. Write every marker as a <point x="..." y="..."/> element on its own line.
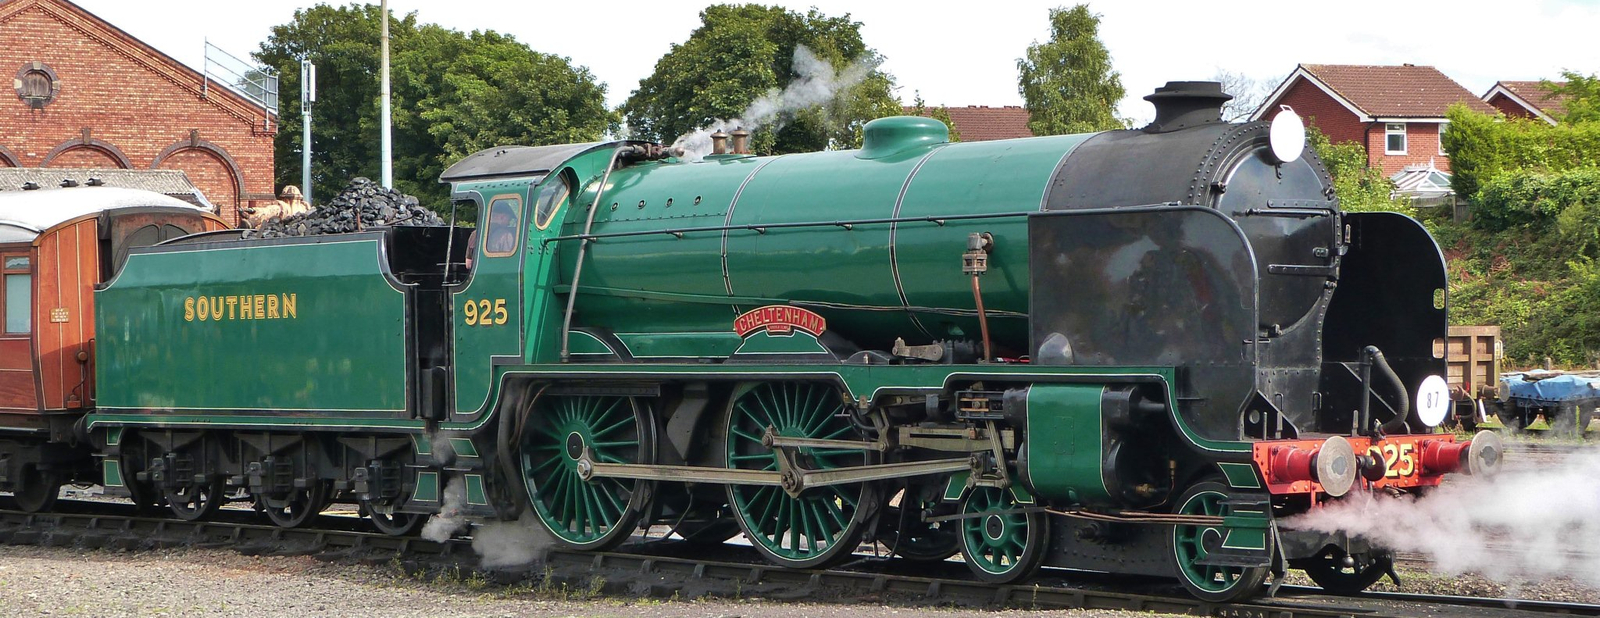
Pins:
<point x="983" y="318"/>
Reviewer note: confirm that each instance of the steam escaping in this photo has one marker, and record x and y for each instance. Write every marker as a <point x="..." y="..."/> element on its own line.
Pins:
<point x="1519" y="525"/>
<point x="449" y="520"/>
<point x="511" y="543"/>
<point x="815" y="83"/>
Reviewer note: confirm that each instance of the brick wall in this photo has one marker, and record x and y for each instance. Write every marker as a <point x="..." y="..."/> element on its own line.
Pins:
<point x="1316" y="107"/>
<point x="122" y="104"/>
<point x="1510" y="108"/>
<point x="1422" y="145"/>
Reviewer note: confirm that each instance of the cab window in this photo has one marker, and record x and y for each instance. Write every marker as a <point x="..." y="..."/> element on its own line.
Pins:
<point x="18" y="296"/>
<point x="500" y="235"/>
<point x="550" y="200"/>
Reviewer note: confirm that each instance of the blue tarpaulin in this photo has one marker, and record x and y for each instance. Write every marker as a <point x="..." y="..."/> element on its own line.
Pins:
<point x="1569" y="387"/>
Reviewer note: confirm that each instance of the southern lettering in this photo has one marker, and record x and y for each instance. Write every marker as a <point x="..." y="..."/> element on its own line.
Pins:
<point x="240" y="307"/>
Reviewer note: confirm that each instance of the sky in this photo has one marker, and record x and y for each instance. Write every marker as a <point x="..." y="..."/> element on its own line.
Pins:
<point x="959" y="54"/>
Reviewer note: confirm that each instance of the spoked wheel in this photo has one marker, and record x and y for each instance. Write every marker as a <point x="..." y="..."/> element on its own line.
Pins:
<point x="822" y="524"/>
<point x="1191" y="545"/>
<point x="195" y="501"/>
<point x="1330" y="569"/>
<point x="297" y="507"/>
<point x="392" y="523"/>
<point x="902" y="530"/>
<point x="39" y="491"/>
<point x="1000" y="541"/>
<point x="600" y="512"/>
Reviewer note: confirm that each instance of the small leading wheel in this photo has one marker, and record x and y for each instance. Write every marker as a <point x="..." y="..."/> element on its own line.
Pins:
<point x="821" y="525"/>
<point x="1191" y="544"/>
<point x="1001" y="542"/>
<point x="392" y="523"/>
<point x="902" y="530"/>
<point x="39" y="491"/>
<point x="195" y="501"/>
<point x="1331" y="570"/>
<point x="298" y="506"/>
<point x="601" y="512"/>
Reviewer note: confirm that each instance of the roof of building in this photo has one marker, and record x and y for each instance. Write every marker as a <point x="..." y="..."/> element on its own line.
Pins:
<point x="1534" y="96"/>
<point x="26" y="214"/>
<point x="981" y="123"/>
<point x="95" y="28"/>
<point x="1383" y="91"/>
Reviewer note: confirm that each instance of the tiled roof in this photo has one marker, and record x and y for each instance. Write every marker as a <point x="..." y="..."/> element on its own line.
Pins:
<point x="981" y="123"/>
<point x="1536" y="95"/>
<point x="170" y="182"/>
<point x="1404" y="91"/>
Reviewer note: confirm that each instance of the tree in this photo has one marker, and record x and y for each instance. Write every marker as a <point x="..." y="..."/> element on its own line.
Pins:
<point x="452" y="93"/>
<point x="810" y="78"/>
<point x="1582" y="94"/>
<point x="1248" y="93"/>
<point x="920" y="107"/>
<point x="1067" y="82"/>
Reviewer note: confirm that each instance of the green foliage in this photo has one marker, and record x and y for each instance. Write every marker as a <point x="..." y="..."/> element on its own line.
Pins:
<point x="741" y="53"/>
<point x="1067" y="82"/>
<point x="941" y="114"/>
<point x="1360" y="187"/>
<point x="1583" y="92"/>
<point x="1483" y="146"/>
<point x="452" y="93"/>
<point x="1539" y="200"/>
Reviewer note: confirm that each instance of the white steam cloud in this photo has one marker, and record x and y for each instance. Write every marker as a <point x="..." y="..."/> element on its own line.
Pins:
<point x="1517" y="526"/>
<point x="815" y="83"/>
<point x="511" y="543"/>
<point x="450" y="519"/>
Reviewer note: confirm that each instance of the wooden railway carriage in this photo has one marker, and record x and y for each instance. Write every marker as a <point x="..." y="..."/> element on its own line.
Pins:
<point x="57" y="245"/>
<point x="1131" y="351"/>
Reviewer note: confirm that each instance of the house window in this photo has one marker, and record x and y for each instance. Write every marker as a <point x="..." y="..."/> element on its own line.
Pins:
<point x="1394" y="138"/>
<point x="18" y="296"/>
<point x="1442" y="126"/>
<point x="36" y="84"/>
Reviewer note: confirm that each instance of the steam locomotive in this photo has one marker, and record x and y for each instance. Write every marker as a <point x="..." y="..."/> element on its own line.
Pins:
<point x="1134" y="351"/>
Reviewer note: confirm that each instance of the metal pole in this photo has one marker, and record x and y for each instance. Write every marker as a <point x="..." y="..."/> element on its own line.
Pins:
<point x="308" y="94"/>
<point x="383" y="93"/>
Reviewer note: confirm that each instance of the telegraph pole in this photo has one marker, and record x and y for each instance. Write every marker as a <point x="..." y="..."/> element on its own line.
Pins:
<point x="383" y="93"/>
<point x="308" y="95"/>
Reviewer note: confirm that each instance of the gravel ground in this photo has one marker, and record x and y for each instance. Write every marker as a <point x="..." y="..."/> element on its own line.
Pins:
<point x="44" y="581"/>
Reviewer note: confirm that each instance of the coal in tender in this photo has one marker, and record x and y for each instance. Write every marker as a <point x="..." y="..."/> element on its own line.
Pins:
<point x="362" y="205"/>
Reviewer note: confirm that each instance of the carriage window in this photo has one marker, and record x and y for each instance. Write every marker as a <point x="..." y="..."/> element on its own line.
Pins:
<point x="551" y="197"/>
<point x="19" y="296"/>
<point x="500" y="238"/>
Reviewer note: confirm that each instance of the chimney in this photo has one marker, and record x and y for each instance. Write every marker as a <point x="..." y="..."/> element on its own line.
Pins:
<point x="1180" y="105"/>
<point x="719" y="143"/>
<point x="741" y="141"/>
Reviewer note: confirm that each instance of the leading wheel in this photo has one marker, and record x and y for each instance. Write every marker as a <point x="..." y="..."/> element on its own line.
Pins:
<point x="39" y="491"/>
<point x="1001" y="542"/>
<point x="600" y="512"/>
<point x="822" y="524"/>
<point x="1191" y="545"/>
<point x="1331" y="570"/>
<point x="298" y="506"/>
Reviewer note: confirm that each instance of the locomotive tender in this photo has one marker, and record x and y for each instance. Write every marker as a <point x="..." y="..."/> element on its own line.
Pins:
<point x="1133" y="351"/>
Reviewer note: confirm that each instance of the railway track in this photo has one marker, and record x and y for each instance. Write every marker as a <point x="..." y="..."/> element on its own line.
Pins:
<point x="666" y="568"/>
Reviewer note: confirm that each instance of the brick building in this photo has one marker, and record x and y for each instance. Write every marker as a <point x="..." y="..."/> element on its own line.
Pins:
<point x="1395" y="112"/>
<point x="1527" y="100"/>
<point x="981" y="123"/>
<point x="85" y="94"/>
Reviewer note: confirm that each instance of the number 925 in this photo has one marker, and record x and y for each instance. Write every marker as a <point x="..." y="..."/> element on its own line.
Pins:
<point x="485" y="313"/>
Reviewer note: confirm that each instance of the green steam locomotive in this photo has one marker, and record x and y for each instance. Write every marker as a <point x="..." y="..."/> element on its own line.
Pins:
<point x="1134" y="351"/>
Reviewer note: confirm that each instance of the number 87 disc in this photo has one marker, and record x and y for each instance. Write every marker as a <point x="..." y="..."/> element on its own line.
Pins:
<point x="1433" y="400"/>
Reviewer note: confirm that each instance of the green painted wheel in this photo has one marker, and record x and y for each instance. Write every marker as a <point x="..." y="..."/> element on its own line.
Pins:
<point x="1191" y="544"/>
<point x="822" y="524"/>
<point x="601" y="512"/>
<point x="1000" y="543"/>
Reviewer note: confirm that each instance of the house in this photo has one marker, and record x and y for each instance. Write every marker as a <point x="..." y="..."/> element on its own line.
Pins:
<point x="1527" y="100"/>
<point x="87" y="95"/>
<point x="981" y="123"/>
<point x="1395" y="112"/>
